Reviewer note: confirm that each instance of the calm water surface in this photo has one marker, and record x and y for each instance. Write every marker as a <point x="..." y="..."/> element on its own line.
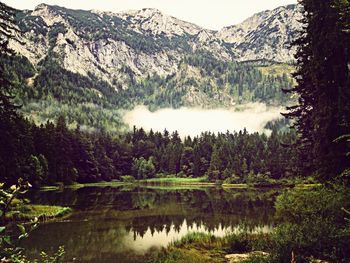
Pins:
<point x="120" y="224"/>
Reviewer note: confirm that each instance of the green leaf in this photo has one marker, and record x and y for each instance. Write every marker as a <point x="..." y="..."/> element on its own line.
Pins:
<point x="2" y="229"/>
<point x="7" y="240"/>
<point x="25" y="235"/>
<point x="22" y="229"/>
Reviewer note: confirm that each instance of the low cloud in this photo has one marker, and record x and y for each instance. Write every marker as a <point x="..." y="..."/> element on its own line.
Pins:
<point x="194" y="121"/>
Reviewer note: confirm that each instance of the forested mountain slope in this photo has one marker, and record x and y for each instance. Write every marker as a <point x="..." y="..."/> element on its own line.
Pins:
<point x="88" y="65"/>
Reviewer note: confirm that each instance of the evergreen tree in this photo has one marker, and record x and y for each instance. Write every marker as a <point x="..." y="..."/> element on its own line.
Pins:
<point x="105" y="164"/>
<point x="143" y="169"/>
<point x="274" y="155"/>
<point x="323" y="111"/>
<point x="63" y="146"/>
<point x="9" y="119"/>
<point x="44" y="167"/>
<point x="84" y="159"/>
<point x="215" y="168"/>
<point x="186" y="161"/>
<point x="35" y="172"/>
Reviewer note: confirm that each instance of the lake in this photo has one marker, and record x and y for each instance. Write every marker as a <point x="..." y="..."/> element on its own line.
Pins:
<point x="121" y="224"/>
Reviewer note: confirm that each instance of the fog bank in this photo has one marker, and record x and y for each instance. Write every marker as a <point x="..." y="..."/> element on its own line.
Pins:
<point x="193" y="121"/>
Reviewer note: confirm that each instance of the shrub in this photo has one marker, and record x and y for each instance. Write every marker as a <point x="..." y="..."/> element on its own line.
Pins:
<point x="258" y="178"/>
<point x="127" y="178"/>
<point x="160" y="175"/>
<point x="240" y="243"/>
<point x="234" y="179"/>
<point x="313" y="225"/>
<point x="195" y="237"/>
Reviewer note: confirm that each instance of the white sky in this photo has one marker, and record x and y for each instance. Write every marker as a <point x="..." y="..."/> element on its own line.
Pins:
<point x="210" y="14"/>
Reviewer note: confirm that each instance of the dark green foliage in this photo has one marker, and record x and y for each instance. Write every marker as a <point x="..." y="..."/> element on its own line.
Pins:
<point x="13" y="206"/>
<point x="52" y="153"/>
<point x="57" y="28"/>
<point x="313" y="225"/>
<point x="240" y="243"/>
<point x="35" y="171"/>
<point x="7" y="108"/>
<point x="243" y="83"/>
<point x="50" y="90"/>
<point x="186" y="161"/>
<point x="143" y="169"/>
<point x="204" y="247"/>
<point x="15" y="144"/>
<point x="10" y="250"/>
<point x="30" y="22"/>
<point x="64" y="85"/>
<point x="323" y="113"/>
<point x="215" y="167"/>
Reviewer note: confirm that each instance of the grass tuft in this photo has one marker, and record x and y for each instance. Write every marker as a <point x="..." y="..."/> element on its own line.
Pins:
<point x="42" y="212"/>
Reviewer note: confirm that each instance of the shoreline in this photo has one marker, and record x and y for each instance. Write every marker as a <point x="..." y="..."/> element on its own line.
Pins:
<point x="174" y="181"/>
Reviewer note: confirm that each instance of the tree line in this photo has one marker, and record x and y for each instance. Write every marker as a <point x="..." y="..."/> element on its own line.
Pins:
<point x="52" y="153"/>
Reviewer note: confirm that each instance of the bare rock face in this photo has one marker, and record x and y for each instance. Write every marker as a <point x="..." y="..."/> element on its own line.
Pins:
<point x="155" y="23"/>
<point x="266" y="35"/>
<point x="115" y="46"/>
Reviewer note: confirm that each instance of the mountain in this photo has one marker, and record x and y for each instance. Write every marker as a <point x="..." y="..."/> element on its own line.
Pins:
<point x="94" y="62"/>
<point x="148" y="41"/>
<point x="266" y="35"/>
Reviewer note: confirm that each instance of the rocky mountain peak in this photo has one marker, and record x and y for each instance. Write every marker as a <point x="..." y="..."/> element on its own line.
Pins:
<point x="115" y="46"/>
<point x="265" y="35"/>
<point x="48" y="14"/>
<point x="41" y="6"/>
<point x="147" y="12"/>
<point x="154" y="22"/>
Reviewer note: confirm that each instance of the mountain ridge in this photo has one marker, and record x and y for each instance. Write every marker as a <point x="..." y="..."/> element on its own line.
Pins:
<point x="147" y="41"/>
<point x="97" y="62"/>
<point x="152" y="22"/>
<point x="156" y="10"/>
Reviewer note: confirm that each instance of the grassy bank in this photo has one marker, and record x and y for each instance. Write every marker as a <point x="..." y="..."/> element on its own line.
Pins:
<point x="113" y="183"/>
<point x="177" y="180"/>
<point x="42" y="212"/>
<point x="205" y="248"/>
<point x="314" y="226"/>
<point x="57" y="187"/>
<point x="172" y="181"/>
<point x="200" y="181"/>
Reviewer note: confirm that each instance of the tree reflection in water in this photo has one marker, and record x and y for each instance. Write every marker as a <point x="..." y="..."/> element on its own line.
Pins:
<point x="120" y="224"/>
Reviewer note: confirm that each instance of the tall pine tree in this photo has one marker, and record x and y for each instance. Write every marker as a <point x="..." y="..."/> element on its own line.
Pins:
<point x="323" y="112"/>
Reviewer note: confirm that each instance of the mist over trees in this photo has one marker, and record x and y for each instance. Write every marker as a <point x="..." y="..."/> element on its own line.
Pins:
<point x="56" y="153"/>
